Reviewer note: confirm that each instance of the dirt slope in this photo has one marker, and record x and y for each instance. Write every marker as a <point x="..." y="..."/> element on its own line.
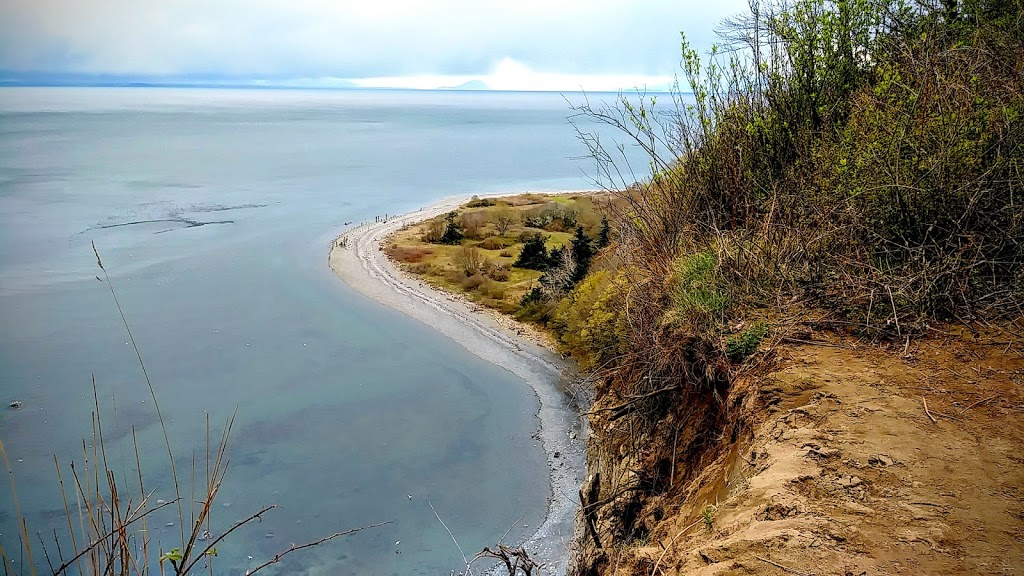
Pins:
<point x="841" y="470"/>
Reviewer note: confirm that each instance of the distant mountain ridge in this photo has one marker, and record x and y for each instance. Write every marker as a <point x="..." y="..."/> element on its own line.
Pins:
<point x="17" y="78"/>
<point x="475" y="84"/>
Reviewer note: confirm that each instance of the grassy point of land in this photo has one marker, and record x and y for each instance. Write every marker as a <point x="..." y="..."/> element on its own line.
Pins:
<point x="475" y="250"/>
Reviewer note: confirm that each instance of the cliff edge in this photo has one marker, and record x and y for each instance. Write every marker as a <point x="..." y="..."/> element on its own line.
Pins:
<point x="839" y="458"/>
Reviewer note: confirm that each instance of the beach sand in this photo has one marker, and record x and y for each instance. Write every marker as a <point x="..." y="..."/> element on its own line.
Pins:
<point x="356" y="257"/>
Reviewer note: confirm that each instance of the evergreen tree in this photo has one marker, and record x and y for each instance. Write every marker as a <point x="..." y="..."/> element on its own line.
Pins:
<point x="534" y="254"/>
<point x="555" y="256"/>
<point x="453" y="232"/>
<point x="582" y="251"/>
<point x="602" y="235"/>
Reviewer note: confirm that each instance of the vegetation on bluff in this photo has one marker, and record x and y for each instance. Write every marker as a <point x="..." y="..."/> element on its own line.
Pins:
<point x="857" y="158"/>
<point x="850" y="165"/>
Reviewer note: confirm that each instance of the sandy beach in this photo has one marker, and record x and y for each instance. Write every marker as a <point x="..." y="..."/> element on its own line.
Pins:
<point x="357" y="259"/>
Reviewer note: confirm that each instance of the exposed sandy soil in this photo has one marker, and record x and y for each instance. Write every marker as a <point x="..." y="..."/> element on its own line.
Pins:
<point x="844" y="472"/>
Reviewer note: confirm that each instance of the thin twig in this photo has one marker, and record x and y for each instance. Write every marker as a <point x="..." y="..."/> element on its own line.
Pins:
<point x="672" y="543"/>
<point x="236" y="526"/>
<point x="941" y="415"/>
<point x="17" y="509"/>
<point x="930" y="417"/>
<point x="977" y="403"/>
<point x="895" y="316"/>
<point x="505" y="535"/>
<point x="103" y="538"/>
<point x="464" y="559"/>
<point x="277" y="557"/>
<point x="815" y="343"/>
<point x="786" y="568"/>
<point x="45" y="552"/>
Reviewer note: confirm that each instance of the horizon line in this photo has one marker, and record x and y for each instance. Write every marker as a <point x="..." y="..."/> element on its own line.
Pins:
<point x="243" y="86"/>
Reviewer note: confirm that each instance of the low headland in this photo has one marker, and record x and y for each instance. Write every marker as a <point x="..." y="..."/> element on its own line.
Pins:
<point x="362" y="258"/>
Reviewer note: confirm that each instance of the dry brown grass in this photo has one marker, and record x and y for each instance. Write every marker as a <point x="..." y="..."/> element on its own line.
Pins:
<point x="410" y="254"/>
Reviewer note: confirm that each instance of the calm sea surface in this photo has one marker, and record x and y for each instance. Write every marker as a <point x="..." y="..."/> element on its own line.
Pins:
<point x="213" y="211"/>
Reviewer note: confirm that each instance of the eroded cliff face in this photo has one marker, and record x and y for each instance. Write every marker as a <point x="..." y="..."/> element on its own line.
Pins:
<point x="650" y="443"/>
<point x="828" y="462"/>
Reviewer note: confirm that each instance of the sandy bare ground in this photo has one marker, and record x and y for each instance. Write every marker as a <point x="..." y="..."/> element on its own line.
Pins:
<point x="864" y="462"/>
<point x="356" y="257"/>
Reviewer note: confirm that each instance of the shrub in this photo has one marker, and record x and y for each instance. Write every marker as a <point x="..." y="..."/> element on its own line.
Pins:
<point x="503" y="218"/>
<point x="469" y="260"/>
<point x="411" y="254"/>
<point x="473" y="282"/>
<point x="496" y="243"/>
<point x="493" y="290"/>
<point x="560" y="275"/>
<point x="477" y="202"/>
<point x="533" y="307"/>
<point x="498" y="273"/>
<point x="589" y="320"/>
<point x="472" y="223"/>
<point x="882" y="167"/>
<point x="552" y="217"/>
<point x="435" y="232"/>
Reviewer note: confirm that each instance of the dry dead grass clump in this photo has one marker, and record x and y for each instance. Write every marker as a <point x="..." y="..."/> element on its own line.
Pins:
<point x="411" y="254"/>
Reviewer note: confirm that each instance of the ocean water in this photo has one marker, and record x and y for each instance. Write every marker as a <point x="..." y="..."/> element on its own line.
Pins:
<point x="213" y="211"/>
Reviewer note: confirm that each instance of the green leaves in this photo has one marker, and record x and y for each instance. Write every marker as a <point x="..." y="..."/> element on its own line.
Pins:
<point x="742" y="345"/>
<point x="174" y="556"/>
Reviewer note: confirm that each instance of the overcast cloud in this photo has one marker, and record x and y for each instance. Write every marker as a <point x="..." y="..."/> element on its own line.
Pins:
<point x="527" y="44"/>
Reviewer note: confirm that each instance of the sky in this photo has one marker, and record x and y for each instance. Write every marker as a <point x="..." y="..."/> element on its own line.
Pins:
<point x="508" y="44"/>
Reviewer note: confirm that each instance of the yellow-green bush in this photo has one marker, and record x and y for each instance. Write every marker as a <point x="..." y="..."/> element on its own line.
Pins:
<point x="589" y="319"/>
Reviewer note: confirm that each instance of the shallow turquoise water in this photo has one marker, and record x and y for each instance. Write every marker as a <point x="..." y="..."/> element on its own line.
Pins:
<point x="344" y="408"/>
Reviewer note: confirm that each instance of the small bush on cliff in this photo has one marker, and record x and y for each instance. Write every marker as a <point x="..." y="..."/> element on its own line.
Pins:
<point x="840" y="155"/>
<point x="744" y="344"/>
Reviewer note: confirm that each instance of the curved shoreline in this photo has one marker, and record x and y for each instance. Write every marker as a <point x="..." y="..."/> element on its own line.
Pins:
<point x="361" y="264"/>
